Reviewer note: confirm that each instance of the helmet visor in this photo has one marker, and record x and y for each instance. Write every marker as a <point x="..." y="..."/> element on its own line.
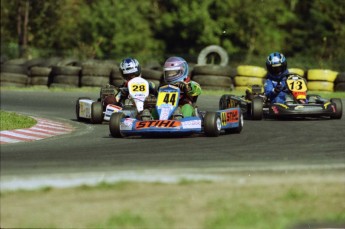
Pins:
<point x="277" y="70"/>
<point x="171" y="75"/>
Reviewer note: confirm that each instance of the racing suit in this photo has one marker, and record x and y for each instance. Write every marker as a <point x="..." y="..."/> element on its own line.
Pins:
<point x="271" y="83"/>
<point x="190" y="90"/>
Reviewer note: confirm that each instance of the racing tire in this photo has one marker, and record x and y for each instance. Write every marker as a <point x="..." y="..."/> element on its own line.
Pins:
<point x="114" y="124"/>
<point x="251" y="71"/>
<point x="339" y="108"/>
<point x="213" y="52"/>
<point x="96" y="113"/>
<point x="77" y="108"/>
<point x="256" y="108"/>
<point x="238" y="129"/>
<point x="212" y="124"/>
<point x="225" y="102"/>
<point x="322" y="75"/>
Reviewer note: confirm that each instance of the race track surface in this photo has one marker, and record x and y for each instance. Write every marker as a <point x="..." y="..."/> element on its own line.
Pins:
<point x="267" y="145"/>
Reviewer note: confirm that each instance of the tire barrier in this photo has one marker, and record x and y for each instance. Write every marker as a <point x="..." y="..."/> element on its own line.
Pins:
<point x="320" y="86"/>
<point x="322" y="75"/>
<point x="61" y="76"/>
<point x="252" y="71"/>
<point x="13" y="74"/>
<point x="248" y="75"/>
<point x="298" y="71"/>
<point x="321" y="79"/>
<point x="213" y="54"/>
<point x="339" y="83"/>
<point x="69" y="72"/>
<point x="95" y="74"/>
<point x="214" y="77"/>
<point x="39" y="76"/>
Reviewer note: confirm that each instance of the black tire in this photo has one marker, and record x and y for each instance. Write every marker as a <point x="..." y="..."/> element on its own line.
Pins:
<point x="211" y="69"/>
<point x="77" y="108"/>
<point x="213" y="80"/>
<point x="339" y="87"/>
<point x="256" y="108"/>
<point x="238" y="129"/>
<point x="224" y="102"/>
<point x="96" y="113"/>
<point x="209" y="51"/>
<point x="212" y="124"/>
<point x="339" y="108"/>
<point x="114" y="125"/>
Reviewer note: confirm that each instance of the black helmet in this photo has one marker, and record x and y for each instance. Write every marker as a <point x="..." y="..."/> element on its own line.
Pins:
<point x="276" y="63"/>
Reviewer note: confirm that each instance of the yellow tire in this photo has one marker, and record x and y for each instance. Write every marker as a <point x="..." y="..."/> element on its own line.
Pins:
<point x="298" y="71"/>
<point x="320" y="86"/>
<point x="242" y="88"/>
<point x="248" y="81"/>
<point x="249" y="70"/>
<point x="322" y="75"/>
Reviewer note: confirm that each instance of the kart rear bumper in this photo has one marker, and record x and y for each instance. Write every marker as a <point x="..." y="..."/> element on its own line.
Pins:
<point x="299" y="110"/>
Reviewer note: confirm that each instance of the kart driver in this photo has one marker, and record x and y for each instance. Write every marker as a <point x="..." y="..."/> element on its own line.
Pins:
<point x="176" y="73"/>
<point x="276" y="65"/>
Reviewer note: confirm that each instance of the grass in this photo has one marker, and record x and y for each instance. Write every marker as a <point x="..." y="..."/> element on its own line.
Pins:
<point x="260" y="202"/>
<point x="10" y="121"/>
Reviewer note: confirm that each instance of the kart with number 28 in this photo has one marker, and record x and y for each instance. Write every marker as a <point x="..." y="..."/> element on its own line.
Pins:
<point x="137" y="118"/>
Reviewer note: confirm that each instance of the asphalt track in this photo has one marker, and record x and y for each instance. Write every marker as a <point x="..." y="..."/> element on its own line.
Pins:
<point x="267" y="145"/>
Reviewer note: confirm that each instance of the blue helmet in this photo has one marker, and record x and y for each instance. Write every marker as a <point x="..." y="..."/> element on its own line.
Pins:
<point x="175" y="70"/>
<point x="130" y="68"/>
<point x="276" y="63"/>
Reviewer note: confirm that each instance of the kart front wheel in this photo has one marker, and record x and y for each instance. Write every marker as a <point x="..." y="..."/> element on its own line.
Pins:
<point x="338" y="109"/>
<point x="96" y="113"/>
<point x="212" y="124"/>
<point x="114" y="124"/>
<point x="256" y="108"/>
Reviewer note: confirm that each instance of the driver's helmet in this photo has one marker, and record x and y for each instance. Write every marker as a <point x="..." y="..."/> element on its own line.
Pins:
<point x="276" y="63"/>
<point x="130" y="68"/>
<point x="175" y="70"/>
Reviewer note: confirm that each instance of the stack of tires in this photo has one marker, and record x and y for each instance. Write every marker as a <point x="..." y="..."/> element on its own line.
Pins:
<point x="39" y="75"/>
<point x="248" y="75"/>
<point x="339" y="83"/>
<point x="155" y="76"/>
<point x="97" y="73"/>
<point x="116" y="78"/>
<point x="65" y="77"/>
<point x="298" y="71"/>
<point x="14" y="73"/>
<point x="321" y="79"/>
<point x="214" y="77"/>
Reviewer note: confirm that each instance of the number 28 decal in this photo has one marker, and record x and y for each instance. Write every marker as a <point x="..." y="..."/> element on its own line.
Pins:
<point x="139" y="87"/>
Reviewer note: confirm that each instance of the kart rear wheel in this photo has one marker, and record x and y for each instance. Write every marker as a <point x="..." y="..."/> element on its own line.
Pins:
<point x="114" y="124"/>
<point x="212" y="124"/>
<point x="339" y="109"/>
<point x="256" y="108"/>
<point x="238" y="129"/>
<point x="96" y="113"/>
<point x="77" y="108"/>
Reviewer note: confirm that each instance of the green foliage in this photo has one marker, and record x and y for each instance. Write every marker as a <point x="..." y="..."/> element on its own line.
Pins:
<point x="311" y="32"/>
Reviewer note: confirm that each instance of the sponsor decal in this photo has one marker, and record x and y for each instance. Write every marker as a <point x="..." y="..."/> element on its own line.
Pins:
<point x="229" y="117"/>
<point x="275" y="109"/>
<point x="191" y="124"/>
<point x="157" y="123"/>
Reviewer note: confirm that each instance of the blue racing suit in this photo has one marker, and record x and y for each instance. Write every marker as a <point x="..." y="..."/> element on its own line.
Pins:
<point x="271" y="82"/>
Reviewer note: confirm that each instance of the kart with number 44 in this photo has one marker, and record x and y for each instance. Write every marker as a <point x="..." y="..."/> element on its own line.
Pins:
<point x="136" y="117"/>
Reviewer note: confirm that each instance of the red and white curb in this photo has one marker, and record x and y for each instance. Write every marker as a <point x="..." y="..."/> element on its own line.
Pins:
<point x="43" y="129"/>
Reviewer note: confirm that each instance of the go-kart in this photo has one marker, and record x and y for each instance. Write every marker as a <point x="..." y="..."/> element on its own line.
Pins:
<point x="98" y="111"/>
<point x="136" y="119"/>
<point x="255" y="105"/>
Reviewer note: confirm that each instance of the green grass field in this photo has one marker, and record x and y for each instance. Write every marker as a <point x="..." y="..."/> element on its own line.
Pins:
<point x="259" y="201"/>
<point x="11" y="120"/>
